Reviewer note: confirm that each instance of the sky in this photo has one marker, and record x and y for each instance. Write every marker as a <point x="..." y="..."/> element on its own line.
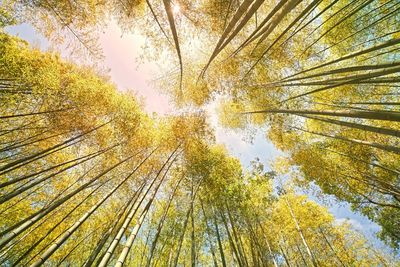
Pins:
<point x="122" y="59"/>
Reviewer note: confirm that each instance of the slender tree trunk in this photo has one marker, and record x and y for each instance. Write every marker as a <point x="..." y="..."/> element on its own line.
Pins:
<point x="6" y="253"/>
<point x="301" y="255"/>
<point x="231" y="242"/>
<point x="252" y="10"/>
<point x="157" y="21"/>
<point x="22" y="189"/>
<point x="161" y="223"/>
<point x="379" y="20"/>
<point x="270" y="15"/>
<point x="378" y="47"/>
<point x="260" y="250"/>
<point x="356" y="79"/>
<point x="361" y="160"/>
<point x="371" y="115"/>
<point x="236" y="237"/>
<point x="305" y="11"/>
<point x="267" y="242"/>
<point x="132" y="211"/>
<point x="208" y="234"/>
<point x="185" y="227"/>
<point x="367" y="128"/>
<point x="20" y="143"/>
<point x="77" y="224"/>
<point x="300" y="231"/>
<point x="221" y="249"/>
<point x="32" y="247"/>
<point x="89" y="262"/>
<point x="357" y="9"/>
<point x="389" y="148"/>
<point x="310" y="21"/>
<point x="276" y="19"/>
<point x="24" y="224"/>
<point x="75" y="247"/>
<point x="193" y="241"/>
<point x="236" y="17"/>
<point x="33" y="113"/>
<point x="90" y="156"/>
<point x="341" y="71"/>
<point x="23" y="164"/>
<point x="122" y="257"/>
<point x="131" y="208"/>
<point x="170" y="16"/>
<point x="128" y="220"/>
<point x="132" y="236"/>
<point x="12" y="164"/>
<point x="285" y="257"/>
<point x="182" y="236"/>
<point x="331" y="247"/>
<point x="13" y="205"/>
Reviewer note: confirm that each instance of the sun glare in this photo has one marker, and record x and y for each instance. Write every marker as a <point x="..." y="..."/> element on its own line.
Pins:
<point x="176" y="9"/>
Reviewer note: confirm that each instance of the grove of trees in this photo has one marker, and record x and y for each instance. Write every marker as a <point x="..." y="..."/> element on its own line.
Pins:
<point x="88" y="178"/>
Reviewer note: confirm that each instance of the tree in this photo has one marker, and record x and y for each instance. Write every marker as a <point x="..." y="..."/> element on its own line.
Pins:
<point x="83" y="168"/>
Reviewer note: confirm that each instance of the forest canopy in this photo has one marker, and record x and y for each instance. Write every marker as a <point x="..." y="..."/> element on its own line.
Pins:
<point x="88" y="178"/>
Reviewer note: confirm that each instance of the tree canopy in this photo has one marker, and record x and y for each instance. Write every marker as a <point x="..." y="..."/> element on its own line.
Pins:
<point x="87" y="178"/>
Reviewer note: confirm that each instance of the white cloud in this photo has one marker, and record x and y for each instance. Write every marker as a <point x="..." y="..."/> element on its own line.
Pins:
<point x="353" y="222"/>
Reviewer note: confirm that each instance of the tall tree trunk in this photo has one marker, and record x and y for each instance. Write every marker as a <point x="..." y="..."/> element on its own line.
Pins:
<point x="350" y="69"/>
<point x="361" y="160"/>
<point x="34" y="245"/>
<point x="33" y="113"/>
<point x="221" y="249"/>
<point x="232" y="23"/>
<point x="85" y="216"/>
<point x="25" y="163"/>
<point x="331" y="247"/>
<point x="12" y="164"/>
<point x="301" y="255"/>
<point x="24" y="224"/>
<point x="125" y="251"/>
<point x="100" y="244"/>
<point x="122" y="257"/>
<point x="388" y="148"/>
<point x="328" y="7"/>
<point x="128" y="220"/>
<point x="378" y="47"/>
<point x="90" y="156"/>
<point x="193" y="241"/>
<point x="157" y="21"/>
<point x="185" y="227"/>
<point x="231" y="242"/>
<point x="208" y="234"/>
<point x="236" y="237"/>
<point x="305" y="11"/>
<point x="270" y="15"/>
<point x="267" y="242"/>
<point x="300" y="231"/>
<point x="355" y="79"/>
<point x="19" y="144"/>
<point x="22" y="189"/>
<point x="356" y="10"/>
<point x="170" y="16"/>
<point x="368" y="128"/>
<point x="285" y="257"/>
<point x="180" y="242"/>
<point x="161" y="223"/>
<point x="371" y="115"/>
<point x="75" y="247"/>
